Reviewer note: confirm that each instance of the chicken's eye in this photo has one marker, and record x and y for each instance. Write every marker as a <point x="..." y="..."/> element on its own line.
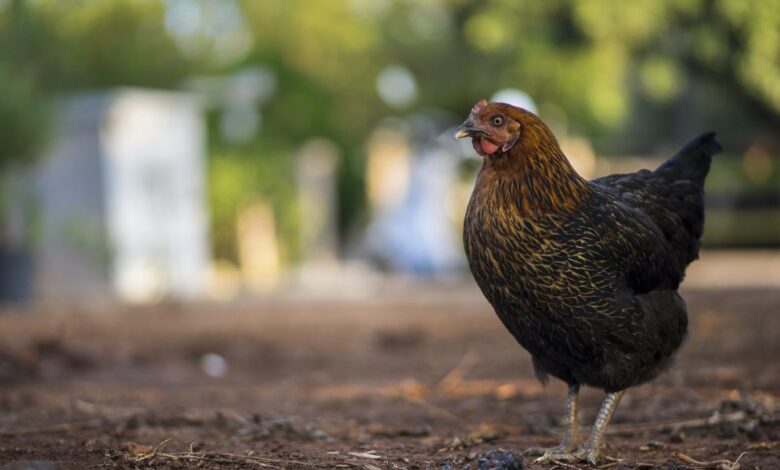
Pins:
<point x="497" y="121"/>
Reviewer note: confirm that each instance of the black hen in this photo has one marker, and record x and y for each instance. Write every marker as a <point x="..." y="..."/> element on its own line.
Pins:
<point x="584" y="274"/>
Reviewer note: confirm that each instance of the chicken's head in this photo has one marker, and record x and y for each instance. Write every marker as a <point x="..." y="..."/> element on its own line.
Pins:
<point x="493" y="127"/>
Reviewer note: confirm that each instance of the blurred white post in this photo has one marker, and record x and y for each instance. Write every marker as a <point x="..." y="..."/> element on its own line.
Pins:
<point x="122" y="198"/>
<point x="317" y="163"/>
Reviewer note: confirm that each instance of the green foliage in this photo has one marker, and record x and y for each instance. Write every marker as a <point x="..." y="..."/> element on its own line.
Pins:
<point x="24" y="109"/>
<point x="24" y="118"/>
<point x="110" y="42"/>
<point x="238" y="179"/>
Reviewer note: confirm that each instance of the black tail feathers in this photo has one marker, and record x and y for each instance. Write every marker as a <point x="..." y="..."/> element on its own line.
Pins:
<point x="692" y="162"/>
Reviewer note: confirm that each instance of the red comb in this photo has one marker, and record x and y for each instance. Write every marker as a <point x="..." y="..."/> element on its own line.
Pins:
<point x="477" y="108"/>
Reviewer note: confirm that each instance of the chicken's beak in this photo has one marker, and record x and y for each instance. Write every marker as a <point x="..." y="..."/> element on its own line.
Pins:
<point x="466" y="129"/>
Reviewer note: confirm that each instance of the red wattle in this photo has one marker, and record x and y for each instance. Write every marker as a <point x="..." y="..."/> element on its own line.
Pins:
<point x="488" y="147"/>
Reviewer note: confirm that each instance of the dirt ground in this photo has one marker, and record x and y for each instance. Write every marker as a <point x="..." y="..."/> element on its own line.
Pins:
<point x="404" y="381"/>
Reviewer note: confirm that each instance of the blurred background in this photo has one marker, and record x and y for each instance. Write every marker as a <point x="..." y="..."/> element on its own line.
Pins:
<point x="225" y="149"/>
<point x="235" y="225"/>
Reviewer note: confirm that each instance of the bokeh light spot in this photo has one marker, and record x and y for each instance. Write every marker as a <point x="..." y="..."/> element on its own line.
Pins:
<point x="396" y="86"/>
<point x="486" y="32"/>
<point x="183" y="17"/>
<point x="660" y="78"/>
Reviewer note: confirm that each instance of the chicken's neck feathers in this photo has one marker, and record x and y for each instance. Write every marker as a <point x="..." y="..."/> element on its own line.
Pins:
<point x="535" y="177"/>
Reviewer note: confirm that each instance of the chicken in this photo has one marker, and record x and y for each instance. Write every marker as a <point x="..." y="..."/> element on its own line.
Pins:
<point x="584" y="274"/>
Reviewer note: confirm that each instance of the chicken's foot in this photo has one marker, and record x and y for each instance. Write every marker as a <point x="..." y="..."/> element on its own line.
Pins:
<point x="591" y="452"/>
<point x="571" y="438"/>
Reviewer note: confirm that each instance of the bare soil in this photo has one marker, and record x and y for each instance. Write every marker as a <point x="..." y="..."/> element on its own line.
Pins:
<point x="411" y="380"/>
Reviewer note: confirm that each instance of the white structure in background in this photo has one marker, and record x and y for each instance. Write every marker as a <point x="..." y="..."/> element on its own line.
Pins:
<point x="122" y="198"/>
<point x="515" y="97"/>
<point x="411" y="191"/>
<point x="316" y="174"/>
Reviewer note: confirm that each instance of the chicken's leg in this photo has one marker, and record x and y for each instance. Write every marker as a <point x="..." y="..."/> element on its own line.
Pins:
<point x="592" y="449"/>
<point x="571" y="437"/>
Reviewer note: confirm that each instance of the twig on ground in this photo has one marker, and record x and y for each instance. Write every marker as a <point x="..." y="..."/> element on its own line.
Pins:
<point x="721" y="464"/>
<point x="564" y="465"/>
<point x="154" y="451"/>
<point x="366" y="455"/>
<point x="608" y="465"/>
<point x="456" y="374"/>
<point x="764" y="445"/>
<point x="738" y="416"/>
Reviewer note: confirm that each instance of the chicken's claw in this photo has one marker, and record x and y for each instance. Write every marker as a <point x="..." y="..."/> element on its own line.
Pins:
<point x="591" y="456"/>
<point x="555" y="457"/>
<point x="562" y="448"/>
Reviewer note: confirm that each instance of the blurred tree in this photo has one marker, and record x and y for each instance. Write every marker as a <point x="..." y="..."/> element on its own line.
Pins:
<point x="24" y="107"/>
<point x="24" y="118"/>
